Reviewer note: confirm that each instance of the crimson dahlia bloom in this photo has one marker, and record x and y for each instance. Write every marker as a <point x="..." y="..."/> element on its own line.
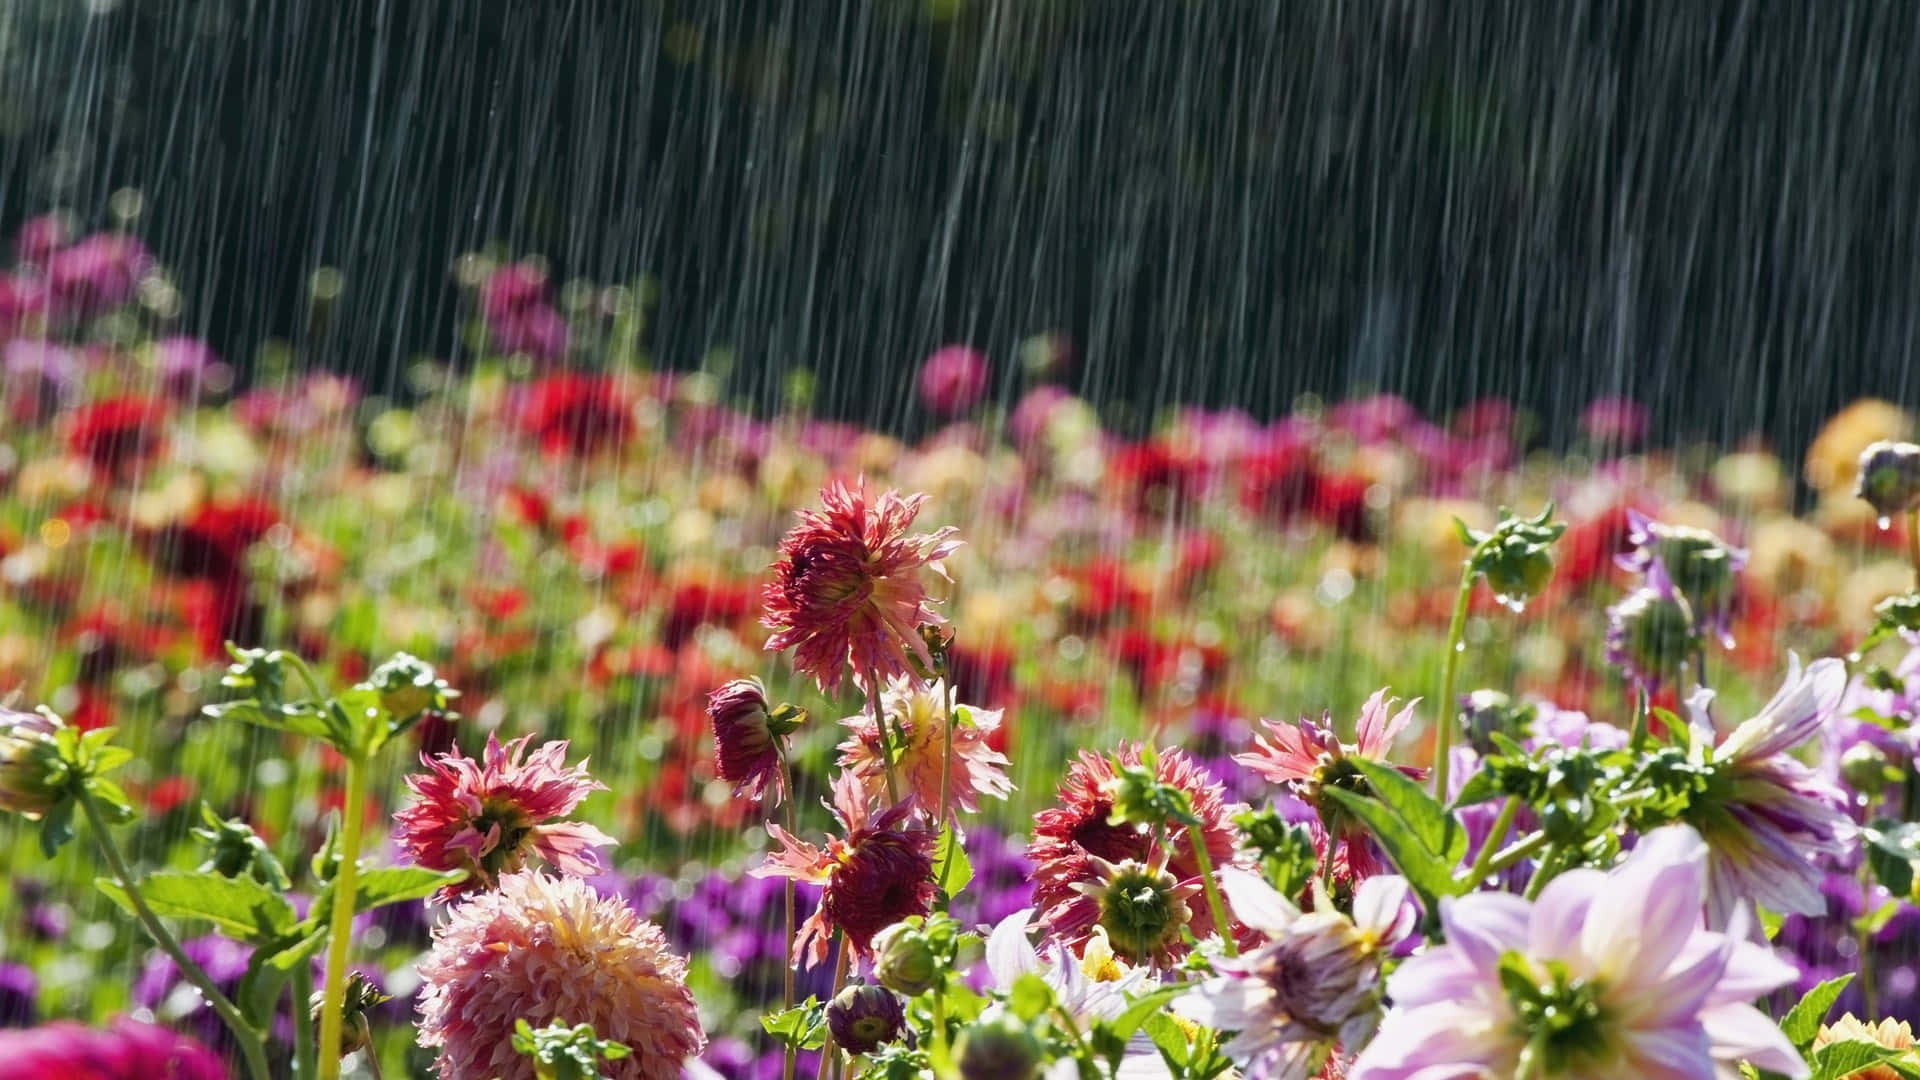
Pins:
<point x="117" y="431"/>
<point x="487" y="816"/>
<point x="746" y="747"/>
<point x="846" y="588"/>
<point x="1074" y="842"/>
<point x="128" y="1050"/>
<point x="577" y="413"/>
<point x="879" y="873"/>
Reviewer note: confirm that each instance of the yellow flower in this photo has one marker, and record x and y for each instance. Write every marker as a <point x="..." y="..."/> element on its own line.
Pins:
<point x="1834" y="456"/>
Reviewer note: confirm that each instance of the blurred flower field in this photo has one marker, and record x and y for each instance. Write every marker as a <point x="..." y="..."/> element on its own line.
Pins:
<point x="582" y="548"/>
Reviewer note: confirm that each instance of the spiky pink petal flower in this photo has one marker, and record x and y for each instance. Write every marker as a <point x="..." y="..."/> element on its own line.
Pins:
<point x="542" y="949"/>
<point x="487" y="816"/>
<point x="847" y="590"/>
<point x="878" y="873"/>
<point x="746" y="748"/>
<point x="914" y="715"/>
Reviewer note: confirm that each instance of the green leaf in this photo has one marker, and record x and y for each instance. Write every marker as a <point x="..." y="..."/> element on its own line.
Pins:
<point x="1123" y="1026"/>
<point x="1802" y="1022"/>
<point x="1030" y="997"/>
<point x="1421" y="838"/>
<point x="300" y="718"/>
<point x="952" y="869"/>
<point x="803" y="1027"/>
<point x="1893" y="848"/>
<point x="1840" y="1059"/>
<point x="56" y="828"/>
<point x="392" y="884"/>
<point x="1169" y="1038"/>
<point x="240" y="908"/>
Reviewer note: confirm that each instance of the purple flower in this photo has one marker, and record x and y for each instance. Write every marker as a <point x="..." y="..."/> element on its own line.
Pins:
<point x="1605" y="975"/>
<point x="19" y="991"/>
<point x="1766" y="817"/>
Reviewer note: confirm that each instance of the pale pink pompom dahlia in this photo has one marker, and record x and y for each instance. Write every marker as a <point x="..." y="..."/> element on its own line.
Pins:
<point x="541" y="949"/>
<point x="487" y="816"/>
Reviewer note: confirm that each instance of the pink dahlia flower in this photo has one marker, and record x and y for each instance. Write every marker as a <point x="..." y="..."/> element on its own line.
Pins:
<point x="1074" y="845"/>
<point x="846" y="588"/>
<point x="953" y="378"/>
<point x="878" y="873"/>
<point x="487" y="816"/>
<point x="746" y="746"/>
<point x="126" y="1050"/>
<point x="914" y="715"/>
<point x="1766" y="816"/>
<point x="1307" y="758"/>
<point x="1606" y="975"/>
<point x="542" y="949"/>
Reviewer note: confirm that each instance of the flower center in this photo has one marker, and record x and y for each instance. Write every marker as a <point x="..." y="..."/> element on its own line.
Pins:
<point x="1562" y="1018"/>
<point x="1138" y="911"/>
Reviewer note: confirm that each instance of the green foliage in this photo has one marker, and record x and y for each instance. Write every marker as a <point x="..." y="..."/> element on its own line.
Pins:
<point x="1284" y="850"/>
<point x="1893" y="850"/>
<point x="560" y="1052"/>
<point x="1517" y="556"/>
<point x="1803" y="1021"/>
<point x="952" y="870"/>
<point x="803" y="1027"/>
<point x="1424" y="841"/>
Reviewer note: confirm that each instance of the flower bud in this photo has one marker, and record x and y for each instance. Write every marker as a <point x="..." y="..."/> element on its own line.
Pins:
<point x="360" y="996"/>
<point x="408" y="686"/>
<point x="864" y="1017"/>
<point x="905" y="961"/>
<point x="1864" y="766"/>
<point x="1889" y="477"/>
<point x="998" y="1048"/>
<point x="1142" y="907"/>
<point x="1651" y="632"/>
<point x="1487" y="713"/>
<point x="32" y="773"/>
<point x="1517" y="556"/>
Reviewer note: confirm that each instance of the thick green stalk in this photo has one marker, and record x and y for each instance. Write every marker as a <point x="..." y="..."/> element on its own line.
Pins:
<point x="786" y="975"/>
<point x="1637" y="741"/>
<point x="1443" y="738"/>
<point x="1478" y="871"/>
<point x="302" y="982"/>
<point x="251" y="1048"/>
<point x="1199" y="843"/>
<point x="346" y="883"/>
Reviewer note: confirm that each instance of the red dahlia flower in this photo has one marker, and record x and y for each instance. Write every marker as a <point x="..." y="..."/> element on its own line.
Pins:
<point x="117" y="431"/>
<point x="1074" y="842"/>
<point x="846" y="588"/>
<point x="879" y="873"/>
<point x="578" y="413"/>
<point x="487" y="816"/>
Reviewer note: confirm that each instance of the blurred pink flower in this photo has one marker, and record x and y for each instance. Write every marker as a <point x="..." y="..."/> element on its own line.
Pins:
<point x="487" y="816"/>
<point x="953" y="379"/>
<point x="40" y="237"/>
<point x="1615" y="421"/>
<point x="97" y="273"/>
<point x="125" y="1050"/>
<point x="543" y="949"/>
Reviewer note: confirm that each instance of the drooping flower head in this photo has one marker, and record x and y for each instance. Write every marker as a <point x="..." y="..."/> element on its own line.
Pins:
<point x="1889" y="477"/>
<point x="1702" y="567"/>
<point x="864" y="1016"/>
<point x="125" y="1050"/>
<point x="487" y="816"/>
<point x="1606" y="975"/>
<point x="1651" y="632"/>
<point x="877" y="873"/>
<point x="913" y="710"/>
<point x="1314" y="983"/>
<point x="1307" y="758"/>
<point x="746" y="738"/>
<point x="31" y="772"/>
<point x="1075" y="842"/>
<point x="541" y="949"/>
<point x="847" y="588"/>
<point x="1765" y="815"/>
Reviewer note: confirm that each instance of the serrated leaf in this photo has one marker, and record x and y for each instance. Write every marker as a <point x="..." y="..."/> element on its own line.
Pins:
<point x="1424" y="816"/>
<point x="300" y="718"/>
<point x="1802" y="1022"/>
<point x="240" y="908"/>
<point x="952" y="870"/>
<point x="1836" y="1060"/>
<point x="1421" y="838"/>
<point x="1168" y="1037"/>
<point x="803" y="1027"/>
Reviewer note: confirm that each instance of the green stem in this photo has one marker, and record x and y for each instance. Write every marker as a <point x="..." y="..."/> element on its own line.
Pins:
<point x="1478" y="871"/>
<point x="845" y="949"/>
<point x="1516" y="852"/>
<point x="346" y="882"/>
<point x="302" y="977"/>
<point x="307" y="676"/>
<point x="940" y="1023"/>
<point x="1073" y="1032"/>
<point x="250" y="1040"/>
<point x="1548" y="869"/>
<point x="1638" y="740"/>
<point x="1198" y="842"/>
<point x="786" y="974"/>
<point x="946" y="756"/>
<point x="886" y="737"/>
<point x="1913" y="543"/>
<point x="1456" y="629"/>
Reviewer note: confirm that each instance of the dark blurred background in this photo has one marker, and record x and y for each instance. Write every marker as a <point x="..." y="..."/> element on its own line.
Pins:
<point x="1712" y="207"/>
